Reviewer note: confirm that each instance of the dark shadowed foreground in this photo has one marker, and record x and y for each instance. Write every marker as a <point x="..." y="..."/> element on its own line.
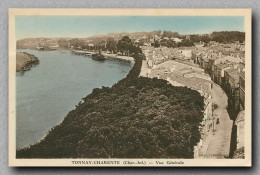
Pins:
<point x="137" y="118"/>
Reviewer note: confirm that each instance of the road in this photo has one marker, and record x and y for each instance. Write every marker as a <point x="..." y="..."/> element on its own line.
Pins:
<point x="217" y="144"/>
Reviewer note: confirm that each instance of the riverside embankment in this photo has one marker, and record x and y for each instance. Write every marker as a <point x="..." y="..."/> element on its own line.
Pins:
<point x="106" y="55"/>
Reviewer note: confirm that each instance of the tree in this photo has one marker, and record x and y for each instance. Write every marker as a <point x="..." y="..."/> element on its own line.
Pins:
<point x="127" y="47"/>
<point x="195" y="38"/>
<point x="167" y="43"/>
<point x="205" y="39"/>
<point x="186" y="43"/>
<point x="124" y="45"/>
<point x="134" y="49"/>
<point x="169" y="34"/>
<point x="228" y="36"/>
<point x="74" y="43"/>
<point x="111" y="44"/>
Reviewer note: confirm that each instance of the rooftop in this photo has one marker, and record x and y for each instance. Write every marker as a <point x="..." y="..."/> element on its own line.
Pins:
<point x="222" y="65"/>
<point x="242" y="74"/>
<point x="233" y="73"/>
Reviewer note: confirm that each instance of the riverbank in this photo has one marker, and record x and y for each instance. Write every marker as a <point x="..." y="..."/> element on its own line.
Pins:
<point x="106" y="55"/>
<point x="25" y="61"/>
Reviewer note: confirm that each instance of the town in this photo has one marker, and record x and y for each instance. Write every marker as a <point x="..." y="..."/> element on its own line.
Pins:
<point x="218" y="74"/>
<point x="217" y="71"/>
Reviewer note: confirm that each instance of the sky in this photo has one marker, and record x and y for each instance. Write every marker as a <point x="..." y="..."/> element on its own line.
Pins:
<point x="83" y="26"/>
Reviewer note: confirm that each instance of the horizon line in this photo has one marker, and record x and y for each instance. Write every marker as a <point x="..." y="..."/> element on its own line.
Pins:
<point x="93" y="35"/>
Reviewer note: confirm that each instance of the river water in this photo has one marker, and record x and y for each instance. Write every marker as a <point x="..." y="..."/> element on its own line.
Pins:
<point x="47" y="92"/>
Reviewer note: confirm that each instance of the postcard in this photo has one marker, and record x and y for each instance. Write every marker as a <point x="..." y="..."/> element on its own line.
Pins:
<point x="130" y="87"/>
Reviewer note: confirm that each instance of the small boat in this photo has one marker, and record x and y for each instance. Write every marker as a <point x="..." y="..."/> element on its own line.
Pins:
<point x="98" y="57"/>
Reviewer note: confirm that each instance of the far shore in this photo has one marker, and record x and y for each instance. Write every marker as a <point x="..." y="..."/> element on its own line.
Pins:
<point x="108" y="56"/>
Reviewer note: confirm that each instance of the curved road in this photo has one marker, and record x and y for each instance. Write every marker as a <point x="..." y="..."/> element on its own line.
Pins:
<point x="217" y="144"/>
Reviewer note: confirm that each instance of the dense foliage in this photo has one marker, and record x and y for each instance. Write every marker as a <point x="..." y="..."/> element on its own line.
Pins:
<point x="186" y="43"/>
<point x="63" y="43"/>
<point x="111" y="45"/>
<point x="170" y="34"/>
<point x="228" y="37"/>
<point x="136" y="118"/>
<point x="168" y="43"/>
<point x="126" y="47"/>
<point x="198" y="38"/>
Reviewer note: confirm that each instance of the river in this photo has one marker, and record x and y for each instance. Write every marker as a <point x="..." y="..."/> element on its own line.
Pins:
<point x="47" y="92"/>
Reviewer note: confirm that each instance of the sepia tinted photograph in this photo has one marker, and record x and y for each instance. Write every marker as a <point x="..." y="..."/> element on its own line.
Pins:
<point x="130" y="87"/>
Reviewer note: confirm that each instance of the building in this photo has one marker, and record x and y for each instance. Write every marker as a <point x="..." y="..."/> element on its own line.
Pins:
<point x="227" y="58"/>
<point x="240" y="125"/>
<point x="219" y="73"/>
<point x="242" y="90"/>
<point x="231" y="86"/>
<point x="176" y="40"/>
